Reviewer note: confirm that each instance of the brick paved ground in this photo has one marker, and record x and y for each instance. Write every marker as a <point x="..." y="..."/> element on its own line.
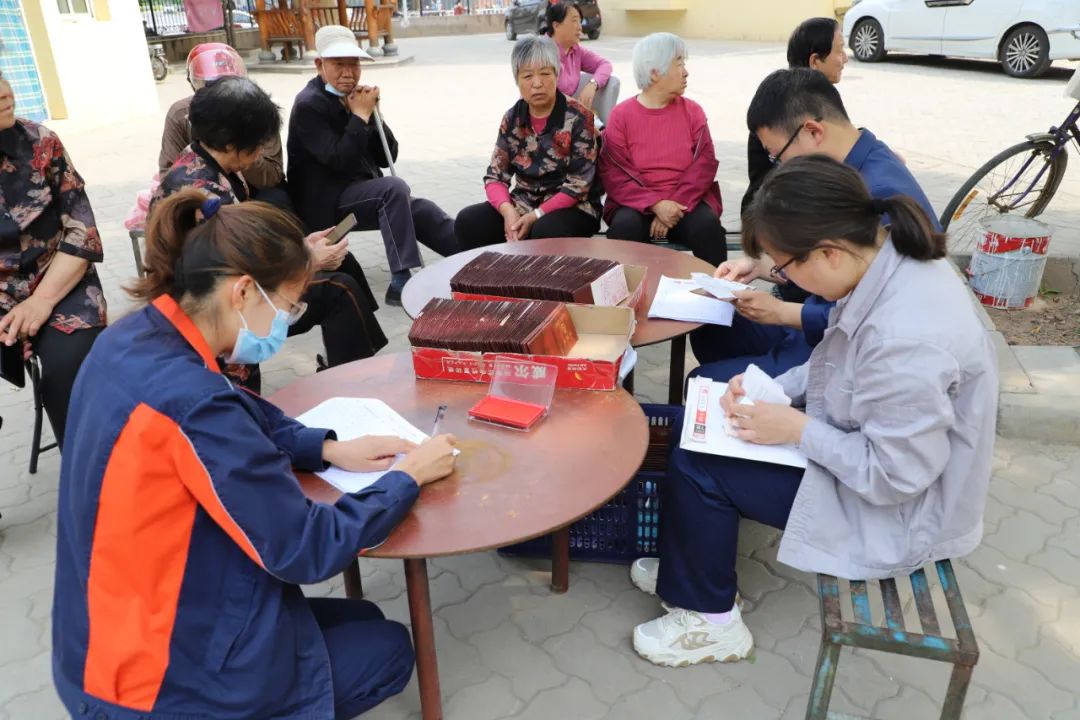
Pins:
<point x="505" y="647"/>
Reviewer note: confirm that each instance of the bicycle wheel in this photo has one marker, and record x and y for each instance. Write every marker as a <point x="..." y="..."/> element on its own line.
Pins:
<point x="1021" y="179"/>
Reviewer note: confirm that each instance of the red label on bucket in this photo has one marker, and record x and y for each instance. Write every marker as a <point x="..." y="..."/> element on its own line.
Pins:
<point x="996" y="243"/>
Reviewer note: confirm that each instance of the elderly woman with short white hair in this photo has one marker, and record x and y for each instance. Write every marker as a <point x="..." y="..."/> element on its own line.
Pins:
<point x="541" y="179"/>
<point x="658" y="164"/>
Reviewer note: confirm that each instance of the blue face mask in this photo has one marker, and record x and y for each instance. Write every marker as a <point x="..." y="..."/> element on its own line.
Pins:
<point x="333" y="90"/>
<point x="252" y="349"/>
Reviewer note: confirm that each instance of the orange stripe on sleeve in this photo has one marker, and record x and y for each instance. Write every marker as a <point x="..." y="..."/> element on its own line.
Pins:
<point x="138" y="555"/>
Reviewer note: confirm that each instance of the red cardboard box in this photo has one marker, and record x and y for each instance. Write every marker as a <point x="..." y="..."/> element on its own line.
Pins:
<point x="635" y="284"/>
<point x="592" y="363"/>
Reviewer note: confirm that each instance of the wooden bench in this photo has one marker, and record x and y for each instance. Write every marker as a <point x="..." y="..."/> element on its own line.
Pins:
<point x="962" y="651"/>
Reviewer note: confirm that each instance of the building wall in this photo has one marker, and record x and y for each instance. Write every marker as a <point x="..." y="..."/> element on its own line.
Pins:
<point x="99" y="64"/>
<point x="771" y="20"/>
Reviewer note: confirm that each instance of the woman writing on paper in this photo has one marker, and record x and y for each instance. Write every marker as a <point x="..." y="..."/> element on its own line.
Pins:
<point x="183" y="532"/>
<point x="895" y="415"/>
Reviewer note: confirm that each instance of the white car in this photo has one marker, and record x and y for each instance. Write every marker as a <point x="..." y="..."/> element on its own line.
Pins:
<point x="1023" y="35"/>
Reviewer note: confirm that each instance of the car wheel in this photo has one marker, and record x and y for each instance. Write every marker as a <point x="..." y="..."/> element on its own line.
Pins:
<point x="1025" y="53"/>
<point x="867" y="41"/>
<point x="510" y="34"/>
<point x="594" y="34"/>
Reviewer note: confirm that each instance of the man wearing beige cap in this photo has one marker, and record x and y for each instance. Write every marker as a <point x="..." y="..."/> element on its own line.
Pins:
<point x="336" y="159"/>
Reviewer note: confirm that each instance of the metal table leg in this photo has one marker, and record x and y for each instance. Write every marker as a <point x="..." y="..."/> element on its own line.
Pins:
<point x="423" y="632"/>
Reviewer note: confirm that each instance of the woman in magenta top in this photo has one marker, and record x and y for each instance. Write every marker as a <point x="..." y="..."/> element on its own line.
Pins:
<point x="657" y="164"/>
<point x="585" y="75"/>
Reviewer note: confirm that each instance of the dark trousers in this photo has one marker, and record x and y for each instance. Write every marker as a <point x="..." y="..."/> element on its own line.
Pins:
<point x="481" y="225"/>
<point x="276" y="196"/>
<point x="61" y="357"/>
<point x="342" y="304"/>
<point x="386" y="204"/>
<point x="700" y="230"/>
<point x="371" y="658"/>
<point x="724" y="352"/>
<point x="703" y="498"/>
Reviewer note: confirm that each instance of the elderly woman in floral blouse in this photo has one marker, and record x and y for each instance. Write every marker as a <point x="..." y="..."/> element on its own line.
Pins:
<point x="50" y="296"/>
<point x="547" y="147"/>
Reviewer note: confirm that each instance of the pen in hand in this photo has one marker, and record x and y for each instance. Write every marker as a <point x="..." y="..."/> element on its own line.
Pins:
<point x="438" y="420"/>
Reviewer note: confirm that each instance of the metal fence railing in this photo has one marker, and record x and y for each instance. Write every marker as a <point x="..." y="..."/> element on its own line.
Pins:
<point x="168" y="17"/>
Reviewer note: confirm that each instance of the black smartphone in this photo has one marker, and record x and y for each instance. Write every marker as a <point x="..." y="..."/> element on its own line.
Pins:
<point x="342" y="229"/>
<point x="11" y="364"/>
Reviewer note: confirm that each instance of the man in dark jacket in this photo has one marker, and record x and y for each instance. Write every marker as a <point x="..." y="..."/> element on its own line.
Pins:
<point x="335" y="161"/>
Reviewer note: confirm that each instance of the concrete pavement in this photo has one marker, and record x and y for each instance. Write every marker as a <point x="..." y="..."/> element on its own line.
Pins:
<point x="506" y="647"/>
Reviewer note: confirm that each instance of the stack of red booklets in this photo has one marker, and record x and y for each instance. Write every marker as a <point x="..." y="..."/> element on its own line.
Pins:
<point x="532" y="327"/>
<point x="540" y="277"/>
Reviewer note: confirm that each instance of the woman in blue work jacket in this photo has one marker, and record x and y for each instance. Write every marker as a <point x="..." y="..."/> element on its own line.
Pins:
<point x="183" y="533"/>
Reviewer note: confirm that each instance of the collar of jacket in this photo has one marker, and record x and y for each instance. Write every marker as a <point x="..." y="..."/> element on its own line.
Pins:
<point x="235" y="180"/>
<point x="853" y="309"/>
<point x="555" y="120"/>
<point x="856" y="157"/>
<point x="179" y="319"/>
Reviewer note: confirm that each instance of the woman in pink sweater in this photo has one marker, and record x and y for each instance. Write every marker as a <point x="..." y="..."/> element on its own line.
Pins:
<point x="585" y="76"/>
<point x="657" y="164"/>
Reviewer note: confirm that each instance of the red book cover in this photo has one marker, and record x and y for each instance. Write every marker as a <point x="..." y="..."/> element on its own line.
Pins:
<point x="504" y="411"/>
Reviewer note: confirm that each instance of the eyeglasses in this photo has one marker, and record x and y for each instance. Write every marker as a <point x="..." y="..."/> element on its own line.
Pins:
<point x="296" y="308"/>
<point x="775" y="159"/>
<point x="778" y="270"/>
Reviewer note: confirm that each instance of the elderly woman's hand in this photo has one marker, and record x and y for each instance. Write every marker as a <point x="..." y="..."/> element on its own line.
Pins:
<point x="669" y="212"/>
<point x="25" y="319"/>
<point x="658" y="229"/>
<point x="588" y="93"/>
<point x="521" y="228"/>
<point x="510" y="217"/>
<point x="326" y="257"/>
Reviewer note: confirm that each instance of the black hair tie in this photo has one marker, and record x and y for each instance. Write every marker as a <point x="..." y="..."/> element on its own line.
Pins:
<point x="879" y="206"/>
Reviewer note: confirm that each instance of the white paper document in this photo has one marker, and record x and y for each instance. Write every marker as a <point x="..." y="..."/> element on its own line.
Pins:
<point x="705" y="427"/>
<point x="676" y="300"/>
<point x="719" y="289"/>
<point x="351" y="418"/>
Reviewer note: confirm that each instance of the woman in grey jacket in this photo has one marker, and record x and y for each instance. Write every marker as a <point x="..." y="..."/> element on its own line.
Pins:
<point x="894" y="411"/>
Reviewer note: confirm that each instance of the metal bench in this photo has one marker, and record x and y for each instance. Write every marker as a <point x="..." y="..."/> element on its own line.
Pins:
<point x="962" y="652"/>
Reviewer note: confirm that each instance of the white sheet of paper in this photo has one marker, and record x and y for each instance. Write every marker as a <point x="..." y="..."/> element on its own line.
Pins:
<point x="720" y="289"/>
<point x="351" y="418"/>
<point x="676" y="300"/>
<point x="759" y="387"/>
<point x="718" y="441"/>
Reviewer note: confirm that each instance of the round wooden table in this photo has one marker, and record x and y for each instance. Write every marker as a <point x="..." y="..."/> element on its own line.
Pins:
<point x="508" y="486"/>
<point x="434" y="282"/>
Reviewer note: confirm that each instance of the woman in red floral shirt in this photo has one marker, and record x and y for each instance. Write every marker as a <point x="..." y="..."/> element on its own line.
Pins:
<point x="547" y="148"/>
<point x="50" y="296"/>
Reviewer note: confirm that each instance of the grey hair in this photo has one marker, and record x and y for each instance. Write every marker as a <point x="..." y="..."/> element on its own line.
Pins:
<point x="656" y="52"/>
<point x="537" y="50"/>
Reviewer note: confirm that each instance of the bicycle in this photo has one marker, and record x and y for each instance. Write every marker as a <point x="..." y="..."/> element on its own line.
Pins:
<point x="998" y="187"/>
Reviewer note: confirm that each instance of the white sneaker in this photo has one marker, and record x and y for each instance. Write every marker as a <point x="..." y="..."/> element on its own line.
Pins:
<point x="685" y="637"/>
<point x="643" y="574"/>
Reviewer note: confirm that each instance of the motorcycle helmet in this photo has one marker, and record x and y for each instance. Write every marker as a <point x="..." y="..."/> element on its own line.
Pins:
<point x="210" y="61"/>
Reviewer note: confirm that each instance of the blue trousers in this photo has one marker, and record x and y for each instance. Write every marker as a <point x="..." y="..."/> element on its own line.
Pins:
<point x="702" y="500"/>
<point x="724" y="352"/>
<point x="371" y="658"/>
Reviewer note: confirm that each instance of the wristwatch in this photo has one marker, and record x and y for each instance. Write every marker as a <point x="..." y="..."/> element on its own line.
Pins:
<point x="538" y="213"/>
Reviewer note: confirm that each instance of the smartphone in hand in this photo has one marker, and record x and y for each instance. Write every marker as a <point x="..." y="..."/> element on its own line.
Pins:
<point x="341" y="229"/>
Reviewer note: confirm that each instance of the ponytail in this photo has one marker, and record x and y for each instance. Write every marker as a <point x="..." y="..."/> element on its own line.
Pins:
<point x="191" y="240"/>
<point x="166" y="228"/>
<point x="910" y="228"/>
<point x="815" y="198"/>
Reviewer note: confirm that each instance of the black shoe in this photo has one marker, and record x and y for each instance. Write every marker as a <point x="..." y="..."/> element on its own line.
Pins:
<point x="393" y="296"/>
<point x="397" y="284"/>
